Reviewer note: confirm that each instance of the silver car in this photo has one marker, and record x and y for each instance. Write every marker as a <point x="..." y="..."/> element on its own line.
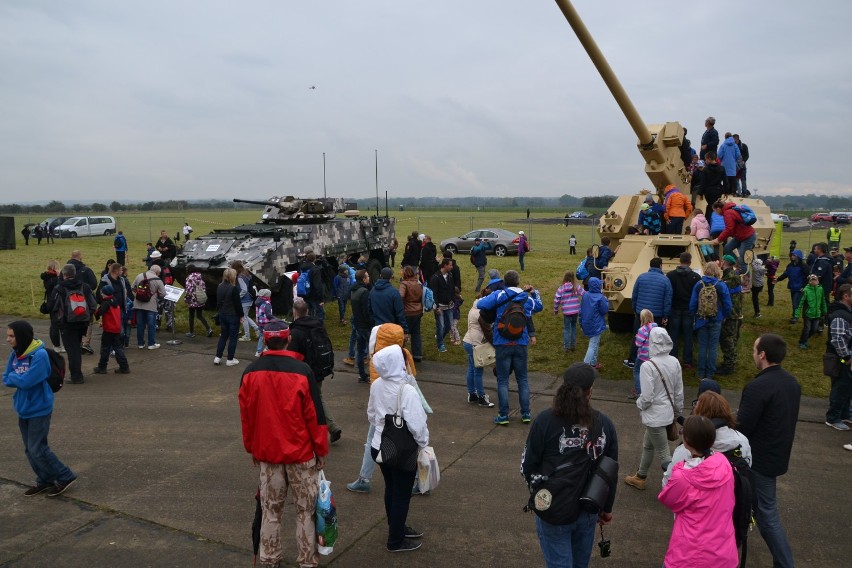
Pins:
<point x="504" y="242"/>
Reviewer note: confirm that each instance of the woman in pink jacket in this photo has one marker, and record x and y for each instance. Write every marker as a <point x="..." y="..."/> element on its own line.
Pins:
<point x="700" y="493"/>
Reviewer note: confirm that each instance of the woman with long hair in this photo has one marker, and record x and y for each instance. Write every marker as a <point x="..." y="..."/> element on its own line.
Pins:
<point x="560" y="435"/>
<point x="700" y="493"/>
<point x="230" y="311"/>
<point x="50" y="278"/>
<point x="246" y="300"/>
<point x="474" y="337"/>
<point x="412" y="305"/>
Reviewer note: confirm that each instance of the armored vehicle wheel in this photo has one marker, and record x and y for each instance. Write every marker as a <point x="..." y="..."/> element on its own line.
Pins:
<point x="620" y="323"/>
<point x="374" y="267"/>
<point x="450" y="249"/>
<point x="500" y="250"/>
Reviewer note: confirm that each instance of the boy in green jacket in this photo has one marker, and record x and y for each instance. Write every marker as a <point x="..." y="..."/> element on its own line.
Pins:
<point x="814" y="307"/>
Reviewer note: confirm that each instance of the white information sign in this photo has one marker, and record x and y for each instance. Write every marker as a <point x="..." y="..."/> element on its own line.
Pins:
<point x="212" y="248"/>
<point x="173" y="293"/>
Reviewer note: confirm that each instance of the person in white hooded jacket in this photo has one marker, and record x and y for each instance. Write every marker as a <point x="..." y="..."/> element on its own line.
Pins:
<point x="391" y="390"/>
<point x="656" y="406"/>
<point x="714" y="406"/>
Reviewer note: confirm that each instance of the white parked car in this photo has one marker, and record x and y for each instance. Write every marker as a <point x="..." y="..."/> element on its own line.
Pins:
<point x="86" y="227"/>
<point x="782" y="218"/>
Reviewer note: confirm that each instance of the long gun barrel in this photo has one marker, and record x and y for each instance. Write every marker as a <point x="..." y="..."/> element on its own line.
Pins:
<point x="659" y="146"/>
<point x="253" y="202"/>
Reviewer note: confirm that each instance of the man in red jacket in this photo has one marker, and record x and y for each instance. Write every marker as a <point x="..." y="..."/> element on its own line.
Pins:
<point x="284" y="430"/>
<point x="742" y="236"/>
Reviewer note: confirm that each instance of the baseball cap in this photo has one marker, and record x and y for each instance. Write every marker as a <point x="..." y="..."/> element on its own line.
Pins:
<point x="847" y="249"/>
<point x="276" y="329"/>
<point x="709" y="385"/>
<point x="387" y="273"/>
<point x="729" y="258"/>
<point x="581" y="374"/>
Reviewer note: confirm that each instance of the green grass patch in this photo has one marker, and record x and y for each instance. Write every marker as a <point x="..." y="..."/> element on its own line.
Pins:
<point x="21" y="288"/>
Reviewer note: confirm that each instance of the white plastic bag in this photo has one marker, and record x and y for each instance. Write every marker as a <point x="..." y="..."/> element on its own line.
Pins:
<point x="428" y="472"/>
<point x="326" y="517"/>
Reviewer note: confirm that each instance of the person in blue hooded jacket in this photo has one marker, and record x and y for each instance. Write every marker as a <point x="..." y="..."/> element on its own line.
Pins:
<point x="386" y="303"/>
<point x="27" y="371"/>
<point x="795" y="273"/>
<point x="729" y="154"/>
<point x="594" y="308"/>
<point x="512" y="354"/>
<point x="709" y="329"/>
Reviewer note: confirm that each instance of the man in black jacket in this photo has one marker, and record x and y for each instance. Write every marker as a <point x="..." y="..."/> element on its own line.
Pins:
<point x="443" y="287"/>
<point x="72" y="331"/>
<point x="713" y="182"/>
<point x="362" y="320"/>
<point x="840" y="345"/>
<point x="86" y="276"/>
<point x="767" y="416"/>
<point x="316" y="294"/>
<point x="681" y="320"/>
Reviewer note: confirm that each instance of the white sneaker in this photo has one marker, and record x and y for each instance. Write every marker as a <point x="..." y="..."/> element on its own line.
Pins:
<point x="232" y="362"/>
<point x="217" y="360"/>
<point x="847" y="447"/>
<point x="155" y="346"/>
<point x="257" y="353"/>
<point x="60" y="349"/>
<point x="141" y="347"/>
<point x="244" y="338"/>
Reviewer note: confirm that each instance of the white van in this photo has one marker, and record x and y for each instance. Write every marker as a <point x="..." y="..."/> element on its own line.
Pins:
<point x="86" y="227"/>
<point x="784" y="219"/>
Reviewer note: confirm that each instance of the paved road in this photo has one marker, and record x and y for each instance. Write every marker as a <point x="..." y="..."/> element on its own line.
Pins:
<point x="164" y="480"/>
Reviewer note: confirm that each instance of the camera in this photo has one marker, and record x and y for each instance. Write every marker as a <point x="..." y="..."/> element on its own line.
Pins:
<point x="605" y="547"/>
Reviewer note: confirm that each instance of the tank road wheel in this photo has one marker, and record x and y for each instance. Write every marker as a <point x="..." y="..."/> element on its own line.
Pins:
<point x="620" y="323"/>
<point x="282" y="300"/>
<point x="451" y="249"/>
<point x="374" y="268"/>
<point x="500" y="250"/>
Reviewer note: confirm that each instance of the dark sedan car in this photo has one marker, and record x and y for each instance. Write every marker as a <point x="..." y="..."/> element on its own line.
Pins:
<point x="504" y="242"/>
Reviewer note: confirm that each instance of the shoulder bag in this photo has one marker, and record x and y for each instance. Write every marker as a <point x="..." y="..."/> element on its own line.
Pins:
<point x="672" y="429"/>
<point x="397" y="449"/>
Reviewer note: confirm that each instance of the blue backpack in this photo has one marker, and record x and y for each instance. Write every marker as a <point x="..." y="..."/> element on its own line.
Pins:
<point x="747" y="215"/>
<point x="583" y="269"/>
<point x="303" y="284"/>
<point x="428" y="299"/>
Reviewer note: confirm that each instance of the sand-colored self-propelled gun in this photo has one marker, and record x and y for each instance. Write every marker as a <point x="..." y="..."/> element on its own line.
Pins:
<point x="659" y="145"/>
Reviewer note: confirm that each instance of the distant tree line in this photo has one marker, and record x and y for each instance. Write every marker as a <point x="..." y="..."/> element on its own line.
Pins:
<point x="780" y="203"/>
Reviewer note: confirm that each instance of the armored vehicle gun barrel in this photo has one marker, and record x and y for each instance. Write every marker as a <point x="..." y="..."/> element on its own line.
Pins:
<point x="254" y="202"/>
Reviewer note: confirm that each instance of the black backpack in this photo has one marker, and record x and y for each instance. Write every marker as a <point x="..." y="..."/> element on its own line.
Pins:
<point x="116" y="243"/>
<point x="56" y="378"/>
<point x="743" y="498"/>
<point x="319" y="353"/>
<point x="513" y="321"/>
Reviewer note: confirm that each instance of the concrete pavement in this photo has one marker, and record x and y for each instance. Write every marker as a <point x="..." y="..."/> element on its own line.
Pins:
<point x="164" y="480"/>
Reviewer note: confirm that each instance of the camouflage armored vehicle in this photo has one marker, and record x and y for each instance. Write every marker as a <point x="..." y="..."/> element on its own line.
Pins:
<point x="660" y="146"/>
<point x="276" y="245"/>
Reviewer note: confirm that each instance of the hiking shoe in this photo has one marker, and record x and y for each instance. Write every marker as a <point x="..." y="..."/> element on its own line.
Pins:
<point x="839" y="425"/>
<point x="60" y="349"/>
<point x="155" y="346"/>
<point x="232" y="362"/>
<point x="501" y="420"/>
<point x="628" y="363"/>
<point x="190" y="334"/>
<point x="257" y="353"/>
<point x="122" y="371"/>
<point x="99" y="371"/>
<point x="217" y="360"/>
<point x="411" y="532"/>
<point x="245" y="338"/>
<point x="485" y="402"/>
<point x="349" y="361"/>
<point x="442" y="349"/>
<point x="88" y="349"/>
<point x="60" y="488"/>
<point x="757" y="316"/>
<point x="526" y="418"/>
<point x="472" y="397"/>
<point x="359" y="486"/>
<point x="406" y="545"/>
<point x="635" y="481"/>
<point x="38" y="488"/>
<point x="335" y="436"/>
<point x="209" y="333"/>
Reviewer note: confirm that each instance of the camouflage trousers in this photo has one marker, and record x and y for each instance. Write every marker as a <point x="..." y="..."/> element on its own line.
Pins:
<point x="275" y="479"/>
<point x="728" y="340"/>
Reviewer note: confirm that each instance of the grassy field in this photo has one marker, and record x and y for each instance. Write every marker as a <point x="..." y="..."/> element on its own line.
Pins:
<point x="21" y="289"/>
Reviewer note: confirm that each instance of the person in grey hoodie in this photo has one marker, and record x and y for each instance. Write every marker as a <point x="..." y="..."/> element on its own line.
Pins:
<point x="658" y="404"/>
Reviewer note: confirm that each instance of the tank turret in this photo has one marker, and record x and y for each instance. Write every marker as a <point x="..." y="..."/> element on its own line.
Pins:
<point x="660" y="147"/>
<point x="274" y="247"/>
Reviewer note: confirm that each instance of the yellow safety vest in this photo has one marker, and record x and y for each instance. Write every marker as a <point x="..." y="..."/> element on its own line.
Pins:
<point x="834" y="234"/>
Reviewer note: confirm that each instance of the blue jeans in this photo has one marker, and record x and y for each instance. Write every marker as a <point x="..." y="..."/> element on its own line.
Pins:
<point x="352" y="337"/>
<point x="362" y="337"/>
<point x="569" y="331"/>
<point x="316" y="309"/>
<point x="708" y="347"/>
<point x="521" y="260"/>
<point x="145" y="318"/>
<point x="637" y="385"/>
<point x="47" y="467"/>
<point x="443" y="323"/>
<point x="512" y="358"/>
<point x="474" y="373"/>
<point x="413" y="323"/>
<point x="743" y="246"/>
<point x="368" y="466"/>
<point x="681" y="323"/>
<point x="839" y="396"/>
<point x="591" y="357"/>
<point x="341" y="308"/>
<point x="795" y="298"/>
<point x="230" y="330"/>
<point x="567" y="546"/>
<point x="768" y="522"/>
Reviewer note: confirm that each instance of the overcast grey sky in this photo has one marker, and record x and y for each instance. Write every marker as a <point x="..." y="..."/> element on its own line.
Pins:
<point x="106" y="99"/>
